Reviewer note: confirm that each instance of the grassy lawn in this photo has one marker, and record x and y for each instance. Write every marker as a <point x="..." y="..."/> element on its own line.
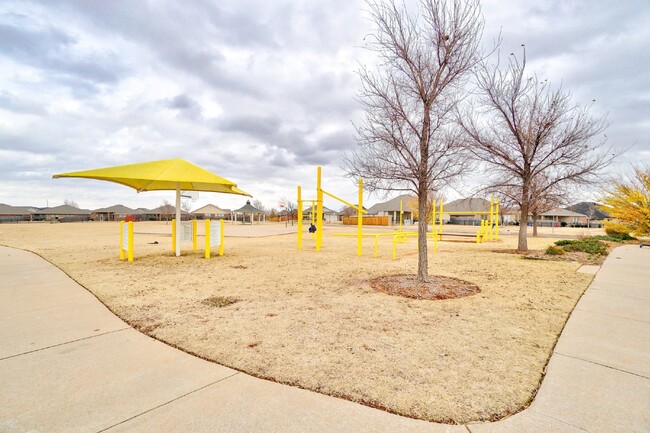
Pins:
<point x="312" y="319"/>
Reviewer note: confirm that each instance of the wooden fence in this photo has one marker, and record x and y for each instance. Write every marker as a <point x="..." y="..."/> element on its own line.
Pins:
<point x="368" y="220"/>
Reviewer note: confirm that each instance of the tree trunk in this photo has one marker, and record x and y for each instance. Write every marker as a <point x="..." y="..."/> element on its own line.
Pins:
<point x="523" y="221"/>
<point x="423" y="260"/>
<point x="534" y="225"/>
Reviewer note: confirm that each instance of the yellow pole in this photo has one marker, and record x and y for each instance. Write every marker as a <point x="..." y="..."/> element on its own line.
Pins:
<point x="319" y="210"/>
<point x="222" y="238"/>
<point x="496" y="225"/>
<point x="173" y="236"/>
<point x="122" y="256"/>
<point x="207" y="239"/>
<point x="194" y="227"/>
<point x="491" y="230"/>
<point x="360" y="219"/>
<point x="130" y="252"/>
<point x="299" y="218"/>
<point x="433" y="221"/>
<point x="441" y="213"/>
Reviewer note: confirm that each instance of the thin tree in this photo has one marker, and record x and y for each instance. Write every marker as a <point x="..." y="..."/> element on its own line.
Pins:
<point x="70" y="202"/>
<point x="531" y="137"/>
<point x="406" y="141"/>
<point x="186" y="207"/>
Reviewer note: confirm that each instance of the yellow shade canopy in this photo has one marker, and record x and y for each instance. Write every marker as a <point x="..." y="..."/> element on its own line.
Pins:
<point x="166" y="174"/>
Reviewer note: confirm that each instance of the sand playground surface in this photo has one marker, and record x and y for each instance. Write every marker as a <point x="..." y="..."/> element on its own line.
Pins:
<point x="313" y="320"/>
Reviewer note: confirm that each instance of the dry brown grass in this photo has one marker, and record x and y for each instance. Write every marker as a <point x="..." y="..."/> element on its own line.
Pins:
<point x="312" y="320"/>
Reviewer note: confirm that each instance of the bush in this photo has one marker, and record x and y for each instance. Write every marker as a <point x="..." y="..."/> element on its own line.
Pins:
<point x="605" y="238"/>
<point x="563" y="223"/>
<point x="563" y="242"/>
<point x="552" y="250"/>
<point x="617" y="231"/>
<point x="595" y="247"/>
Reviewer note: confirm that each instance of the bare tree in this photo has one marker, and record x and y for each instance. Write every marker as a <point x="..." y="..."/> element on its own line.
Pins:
<point x="167" y="210"/>
<point x="72" y="203"/>
<point x="407" y="141"/>
<point x="290" y="208"/>
<point x="186" y="207"/>
<point x="531" y="138"/>
<point x="259" y="205"/>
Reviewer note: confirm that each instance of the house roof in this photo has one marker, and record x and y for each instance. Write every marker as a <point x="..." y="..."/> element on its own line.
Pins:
<point x="210" y="209"/>
<point x="118" y="209"/>
<point x="164" y="210"/>
<point x="248" y="208"/>
<point x="6" y="209"/>
<point x="63" y="210"/>
<point x="588" y="208"/>
<point x="562" y="213"/>
<point x="472" y="204"/>
<point x="392" y="205"/>
<point x="326" y="210"/>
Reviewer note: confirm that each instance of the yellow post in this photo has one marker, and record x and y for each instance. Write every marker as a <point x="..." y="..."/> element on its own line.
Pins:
<point x="130" y="251"/>
<point x="441" y="213"/>
<point x="319" y="210"/>
<point x="122" y="255"/>
<point x="360" y="220"/>
<point x="433" y="222"/>
<point x="207" y="239"/>
<point x="299" y="218"/>
<point x="490" y="229"/>
<point x="194" y="227"/>
<point x="496" y="225"/>
<point x="173" y="235"/>
<point x="222" y="237"/>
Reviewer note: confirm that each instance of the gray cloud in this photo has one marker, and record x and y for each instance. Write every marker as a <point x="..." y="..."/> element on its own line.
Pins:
<point x="259" y="92"/>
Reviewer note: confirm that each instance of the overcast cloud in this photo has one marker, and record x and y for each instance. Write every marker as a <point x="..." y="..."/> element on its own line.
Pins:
<point x="260" y="92"/>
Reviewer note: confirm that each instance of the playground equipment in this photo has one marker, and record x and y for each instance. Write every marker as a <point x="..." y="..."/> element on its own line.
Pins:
<point x="488" y="231"/>
<point x="319" y="213"/>
<point x="126" y="241"/>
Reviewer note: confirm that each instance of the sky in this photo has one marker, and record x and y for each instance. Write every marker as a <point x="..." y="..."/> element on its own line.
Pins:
<point x="259" y="92"/>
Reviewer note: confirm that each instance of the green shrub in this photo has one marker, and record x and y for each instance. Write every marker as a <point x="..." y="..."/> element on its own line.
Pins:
<point x="564" y="242"/>
<point x="605" y="238"/>
<point x="592" y="246"/>
<point x="618" y="232"/>
<point x="552" y="250"/>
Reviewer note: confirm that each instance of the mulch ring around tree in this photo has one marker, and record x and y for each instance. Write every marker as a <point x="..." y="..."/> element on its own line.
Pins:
<point x="437" y="287"/>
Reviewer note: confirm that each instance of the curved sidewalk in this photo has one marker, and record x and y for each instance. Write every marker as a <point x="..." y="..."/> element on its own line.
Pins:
<point x="67" y="364"/>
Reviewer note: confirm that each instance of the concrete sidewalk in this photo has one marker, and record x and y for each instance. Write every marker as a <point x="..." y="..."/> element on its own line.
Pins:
<point x="69" y="365"/>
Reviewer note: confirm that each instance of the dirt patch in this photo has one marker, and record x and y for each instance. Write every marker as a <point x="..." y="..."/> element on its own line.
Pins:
<point x="437" y="287"/>
<point x="573" y="256"/>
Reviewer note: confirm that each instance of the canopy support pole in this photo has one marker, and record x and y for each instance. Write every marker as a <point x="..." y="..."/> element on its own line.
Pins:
<point x="178" y="219"/>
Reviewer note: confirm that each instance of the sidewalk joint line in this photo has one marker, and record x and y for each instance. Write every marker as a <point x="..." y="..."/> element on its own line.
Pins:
<point x="617" y="293"/>
<point x="467" y="428"/>
<point x="560" y="421"/>
<point x="168" y="402"/>
<point x="611" y="315"/>
<point x="64" y="343"/>
<point x="602" y="365"/>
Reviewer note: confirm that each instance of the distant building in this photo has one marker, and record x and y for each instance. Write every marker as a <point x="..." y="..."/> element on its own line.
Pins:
<point x="559" y="217"/>
<point x="391" y="208"/>
<point x="210" y="211"/>
<point x="595" y="216"/>
<point x="464" y="207"/>
<point x="116" y="212"/>
<point x="14" y="214"/>
<point x="63" y="213"/>
<point x="329" y="216"/>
